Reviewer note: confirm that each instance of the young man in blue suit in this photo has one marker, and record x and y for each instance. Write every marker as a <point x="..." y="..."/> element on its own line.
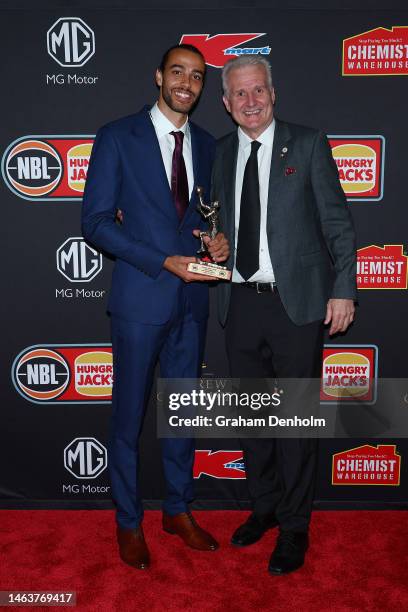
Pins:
<point x="148" y="166"/>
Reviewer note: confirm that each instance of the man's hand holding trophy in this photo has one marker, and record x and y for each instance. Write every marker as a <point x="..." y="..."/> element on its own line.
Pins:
<point x="208" y="265"/>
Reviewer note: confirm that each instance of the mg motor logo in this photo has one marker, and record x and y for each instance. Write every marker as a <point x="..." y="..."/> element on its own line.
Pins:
<point x="77" y="261"/>
<point x="226" y="464"/>
<point x="367" y="465"/>
<point x="70" y="42"/>
<point x="381" y="51"/>
<point x="47" y="167"/>
<point x="64" y="374"/>
<point x="85" y="458"/>
<point x="360" y="162"/>
<point x="218" y="49"/>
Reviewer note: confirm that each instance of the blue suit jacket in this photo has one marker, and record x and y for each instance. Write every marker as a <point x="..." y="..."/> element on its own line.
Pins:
<point x="126" y="171"/>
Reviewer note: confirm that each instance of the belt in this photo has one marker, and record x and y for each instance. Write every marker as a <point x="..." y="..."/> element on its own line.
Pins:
<point x="260" y="287"/>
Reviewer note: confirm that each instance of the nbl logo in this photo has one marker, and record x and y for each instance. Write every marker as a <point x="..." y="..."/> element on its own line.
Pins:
<point x="33" y="168"/>
<point x="85" y="458"/>
<point x="42" y="374"/>
<point x="70" y="42"/>
<point x="47" y="167"/>
<point x="77" y="261"/>
<point x="64" y="374"/>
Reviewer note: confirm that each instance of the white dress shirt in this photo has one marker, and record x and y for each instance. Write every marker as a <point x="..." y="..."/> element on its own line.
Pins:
<point x="163" y="127"/>
<point x="265" y="273"/>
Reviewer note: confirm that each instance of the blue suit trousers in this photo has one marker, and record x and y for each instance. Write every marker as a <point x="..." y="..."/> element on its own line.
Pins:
<point x="178" y="346"/>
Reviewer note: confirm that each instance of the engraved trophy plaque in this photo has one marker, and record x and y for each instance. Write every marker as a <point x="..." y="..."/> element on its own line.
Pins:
<point x="207" y="266"/>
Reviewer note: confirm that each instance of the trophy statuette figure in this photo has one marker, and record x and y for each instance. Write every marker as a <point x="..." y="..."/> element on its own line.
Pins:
<point x="207" y="266"/>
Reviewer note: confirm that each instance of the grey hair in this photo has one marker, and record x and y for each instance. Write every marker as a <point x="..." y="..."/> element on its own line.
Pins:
<point x="241" y="62"/>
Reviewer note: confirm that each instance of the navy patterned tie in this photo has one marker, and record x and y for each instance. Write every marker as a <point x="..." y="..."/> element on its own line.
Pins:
<point x="179" y="182"/>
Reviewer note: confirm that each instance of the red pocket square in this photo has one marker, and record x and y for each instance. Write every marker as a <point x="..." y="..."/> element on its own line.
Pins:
<point x="289" y="171"/>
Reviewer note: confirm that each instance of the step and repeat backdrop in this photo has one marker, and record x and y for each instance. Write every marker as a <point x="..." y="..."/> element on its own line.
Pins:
<point x="64" y="75"/>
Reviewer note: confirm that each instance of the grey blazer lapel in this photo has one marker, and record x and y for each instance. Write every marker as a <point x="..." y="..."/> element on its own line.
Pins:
<point x="229" y="170"/>
<point x="277" y="175"/>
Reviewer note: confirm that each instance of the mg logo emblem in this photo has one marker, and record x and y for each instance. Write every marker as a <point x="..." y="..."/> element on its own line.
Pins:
<point x="85" y="458"/>
<point x="77" y="261"/>
<point x="70" y="42"/>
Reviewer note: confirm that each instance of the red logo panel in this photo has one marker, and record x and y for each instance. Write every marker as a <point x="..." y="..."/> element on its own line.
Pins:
<point x="225" y="464"/>
<point x="382" y="267"/>
<point x="367" y="465"/>
<point x="381" y="51"/>
<point x="349" y="373"/>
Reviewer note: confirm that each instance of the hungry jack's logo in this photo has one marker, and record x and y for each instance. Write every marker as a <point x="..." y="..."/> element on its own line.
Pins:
<point x="382" y="267"/>
<point x="225" y="464"/>
<point x="349" y="373"/>
<point x="360" y="162"/>
<point x="367" y="465"/>
<point x="220" y="48"/>
<point x="65" y="373"/>
<point x="45" y="168"/>
<point x="378" y="52"/>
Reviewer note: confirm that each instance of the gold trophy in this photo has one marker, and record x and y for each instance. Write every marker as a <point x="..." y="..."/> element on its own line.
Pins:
<point x="207" y="266"/>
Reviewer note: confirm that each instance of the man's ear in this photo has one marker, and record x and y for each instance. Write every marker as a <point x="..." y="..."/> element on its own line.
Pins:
<point x="273" y="95"/>
<point x="226" y="103"/>
<point x="159" y="78"/>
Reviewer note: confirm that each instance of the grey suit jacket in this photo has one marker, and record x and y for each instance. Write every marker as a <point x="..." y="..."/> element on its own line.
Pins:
<point x="310" y="231"/>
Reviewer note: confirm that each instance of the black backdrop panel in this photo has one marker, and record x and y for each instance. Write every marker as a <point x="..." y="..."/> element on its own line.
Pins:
<point x="55" y="289"/>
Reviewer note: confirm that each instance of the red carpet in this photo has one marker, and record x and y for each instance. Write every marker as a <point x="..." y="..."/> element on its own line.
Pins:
<point x="358" y="561"/>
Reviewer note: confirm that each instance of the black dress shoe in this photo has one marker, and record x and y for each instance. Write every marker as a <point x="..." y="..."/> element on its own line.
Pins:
<point x="252" y="530"/>
<point x="289" y="553"/>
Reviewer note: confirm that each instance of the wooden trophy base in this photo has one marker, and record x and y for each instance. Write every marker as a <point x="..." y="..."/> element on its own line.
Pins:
<point x="210" y="269"/>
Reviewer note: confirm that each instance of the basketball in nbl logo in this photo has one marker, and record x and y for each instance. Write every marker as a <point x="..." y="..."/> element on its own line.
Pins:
<point x="41" y="374"/>
<point x="33" y="168"/>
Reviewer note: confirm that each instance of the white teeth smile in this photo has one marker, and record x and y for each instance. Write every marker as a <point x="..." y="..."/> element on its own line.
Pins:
<point x="183" y="95"/>
<point x="254" y="112"/>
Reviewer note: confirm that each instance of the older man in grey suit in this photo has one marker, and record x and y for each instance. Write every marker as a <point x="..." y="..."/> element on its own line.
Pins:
<point x="294" y="270"/>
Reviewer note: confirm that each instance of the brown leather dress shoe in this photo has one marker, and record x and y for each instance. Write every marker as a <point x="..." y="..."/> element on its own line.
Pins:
<point x="132" y="547"/>
<point x="185" y="526"/>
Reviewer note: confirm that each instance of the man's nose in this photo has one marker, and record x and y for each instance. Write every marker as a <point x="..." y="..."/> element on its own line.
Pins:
<point x="251" y="99"/>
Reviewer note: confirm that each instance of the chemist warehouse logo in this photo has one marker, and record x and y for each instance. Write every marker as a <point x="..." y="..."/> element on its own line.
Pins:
<point x="382" y="267"/>
<point x="378" y="52"/>
<point x="66" y="373"/>
<point x="367" y="465"/>
<point x="218" y="49"/>
<point x="360" y="162"/>
<point x="224" y="464"/>
<point x="47" y="168"/>
<point x="349" y="374"/>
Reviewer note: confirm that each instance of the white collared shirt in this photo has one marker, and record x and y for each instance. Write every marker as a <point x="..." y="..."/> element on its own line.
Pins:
<point x="163" y="127"/>
<point x="265" y="273"/>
